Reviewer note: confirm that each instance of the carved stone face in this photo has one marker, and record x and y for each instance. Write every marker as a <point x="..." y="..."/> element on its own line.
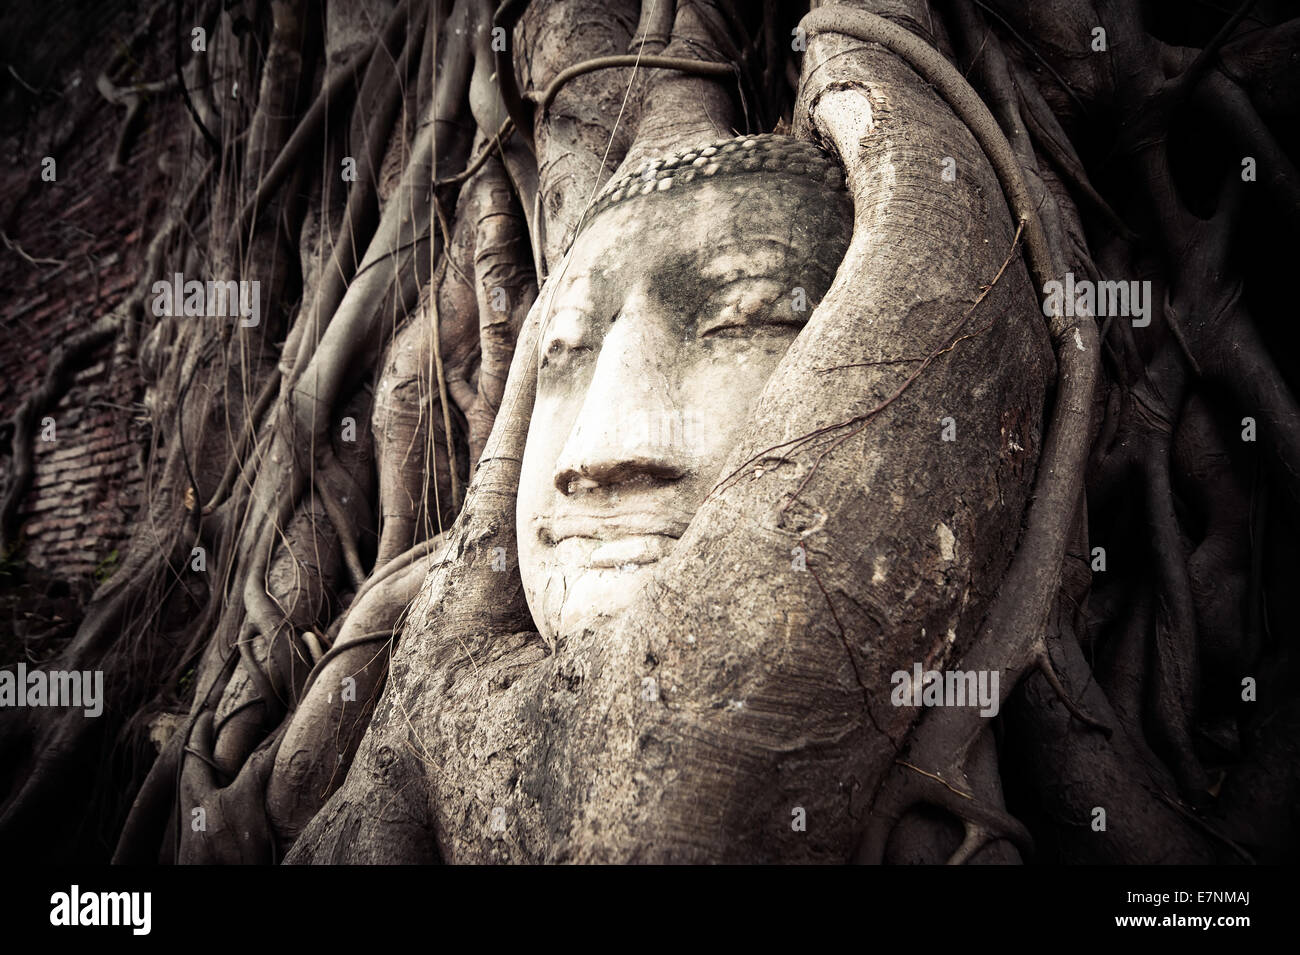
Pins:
<point x="667" y="317"/>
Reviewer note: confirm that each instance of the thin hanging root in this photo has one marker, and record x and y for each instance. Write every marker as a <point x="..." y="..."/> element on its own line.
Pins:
<point x="445" y="226"/>
<point x="237" y="462"/>
<point x="1070" y="168"/>
<point x="310" y="127"/>
<point x="1022" y="107"/>
<point x="1043" y="660"/>
<point x="439" y="372"/>
<point x="361" y="216"/>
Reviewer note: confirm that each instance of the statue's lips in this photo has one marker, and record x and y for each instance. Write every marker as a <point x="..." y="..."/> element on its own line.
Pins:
<point x="612" y="540"/>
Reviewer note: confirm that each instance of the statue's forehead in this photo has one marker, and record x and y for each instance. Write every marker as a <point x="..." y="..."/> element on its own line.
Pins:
<point x="681" y="243"/>
<point x="691" y="225"/>
<point x="744" y="157"/>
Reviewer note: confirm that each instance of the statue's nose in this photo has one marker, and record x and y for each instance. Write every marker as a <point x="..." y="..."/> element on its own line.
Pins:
<point x="630" y="424"/>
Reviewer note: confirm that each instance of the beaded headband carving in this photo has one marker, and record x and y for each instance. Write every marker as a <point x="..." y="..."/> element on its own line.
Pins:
<point x="723" y="160"/>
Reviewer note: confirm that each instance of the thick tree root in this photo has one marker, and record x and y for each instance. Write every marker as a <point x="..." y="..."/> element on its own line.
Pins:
<point x="1011" y="639"/>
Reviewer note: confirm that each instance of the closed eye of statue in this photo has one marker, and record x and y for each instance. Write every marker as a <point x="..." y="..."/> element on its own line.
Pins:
<point x="566" y="338"/>
<point x="748" y="307"/>
<point x="560" y="352"/>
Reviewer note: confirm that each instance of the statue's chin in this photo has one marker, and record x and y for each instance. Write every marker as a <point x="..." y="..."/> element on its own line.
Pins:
<point x="582" y="597"/>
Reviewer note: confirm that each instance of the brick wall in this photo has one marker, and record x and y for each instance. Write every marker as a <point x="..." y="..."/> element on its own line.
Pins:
<point x="87" y="232"/>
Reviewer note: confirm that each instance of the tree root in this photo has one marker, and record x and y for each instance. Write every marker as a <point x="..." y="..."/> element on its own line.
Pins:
<point x="983" y="822"/>
<point x="333" y="94"/>
<point x="1012" y="635"/>
<point x="1044" y="662"/>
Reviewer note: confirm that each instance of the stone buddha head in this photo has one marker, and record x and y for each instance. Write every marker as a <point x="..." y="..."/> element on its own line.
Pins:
<point x="684" y="286"/>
